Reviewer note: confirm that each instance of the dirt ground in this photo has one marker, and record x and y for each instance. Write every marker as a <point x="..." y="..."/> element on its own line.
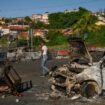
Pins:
<point x="39" y="93"/>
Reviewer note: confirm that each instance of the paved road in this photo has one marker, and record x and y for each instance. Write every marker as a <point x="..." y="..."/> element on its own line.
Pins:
<point x="38" y="95"/>
<point x="31" y="70"/>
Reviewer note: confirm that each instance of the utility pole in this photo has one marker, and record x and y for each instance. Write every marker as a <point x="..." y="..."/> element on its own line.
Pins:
<point x="31" y="38"/>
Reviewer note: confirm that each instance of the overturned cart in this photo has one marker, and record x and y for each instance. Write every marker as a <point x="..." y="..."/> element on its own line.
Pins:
<point x="80" y="76"/>
<point x="10" y="81"/>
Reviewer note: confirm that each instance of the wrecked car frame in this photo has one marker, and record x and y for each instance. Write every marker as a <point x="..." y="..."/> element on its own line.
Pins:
<point x="81" y="76"/>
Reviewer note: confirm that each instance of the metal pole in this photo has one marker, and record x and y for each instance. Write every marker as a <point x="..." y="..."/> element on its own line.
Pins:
<point x="31" y="38"/>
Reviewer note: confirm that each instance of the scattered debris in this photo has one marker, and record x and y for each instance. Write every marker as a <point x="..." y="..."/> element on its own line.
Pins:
<point x="19" y="54"/>
<point x="3" y="96"/>
<point x="10" y="81"/>
<point x="17" y="100"/>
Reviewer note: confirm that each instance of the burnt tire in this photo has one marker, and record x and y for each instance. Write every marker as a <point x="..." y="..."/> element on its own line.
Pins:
<point x="90" y="89"/>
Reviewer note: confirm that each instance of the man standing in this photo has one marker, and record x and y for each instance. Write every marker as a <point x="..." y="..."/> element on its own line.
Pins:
<point x="44" y="51"/>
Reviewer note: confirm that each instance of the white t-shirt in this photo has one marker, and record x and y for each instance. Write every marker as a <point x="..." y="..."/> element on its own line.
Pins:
<point x="44" y="49"/>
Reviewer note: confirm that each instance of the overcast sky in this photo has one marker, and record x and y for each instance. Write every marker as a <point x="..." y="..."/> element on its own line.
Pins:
<point x="18" y="8"/>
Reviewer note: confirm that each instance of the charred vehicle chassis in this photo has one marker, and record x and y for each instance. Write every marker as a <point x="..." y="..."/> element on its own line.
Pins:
<point x="81" y="76"/>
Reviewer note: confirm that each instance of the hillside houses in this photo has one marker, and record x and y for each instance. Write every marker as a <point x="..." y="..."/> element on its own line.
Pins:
<point x="19" y="27"/>
<point x="12" y="29"/>
<point x="35" y="32"/>
<point x="21" y="31"/>
<point x="101" y="19"/>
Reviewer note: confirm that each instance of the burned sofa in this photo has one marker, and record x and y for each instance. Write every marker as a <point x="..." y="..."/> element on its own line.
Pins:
<point x="81" y="76"/>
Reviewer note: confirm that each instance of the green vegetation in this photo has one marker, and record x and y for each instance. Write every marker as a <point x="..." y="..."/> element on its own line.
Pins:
<point x="97" y="38"/>
<point x="3" y="42"/>
<point x="22" y="42"/>
<point x="37" y="40"/>
<point x="62" y="20"/>
<point x="81" y="23"/>
<point x="39" y="25"/>
<point x="56" y="38"/>
<point x="85" y="23"/>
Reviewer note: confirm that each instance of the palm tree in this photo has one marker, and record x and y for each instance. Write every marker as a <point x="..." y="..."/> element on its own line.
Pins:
<point x="85" y="24"/>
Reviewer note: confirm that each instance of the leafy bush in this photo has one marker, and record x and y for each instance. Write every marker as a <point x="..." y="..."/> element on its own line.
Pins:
<point x="56" y="38"/>
<point x="37" y="40"/>
<point x="22" y="42"/>
<point x="97" y="37"/>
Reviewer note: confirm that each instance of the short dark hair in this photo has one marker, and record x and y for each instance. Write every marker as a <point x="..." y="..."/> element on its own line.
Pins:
<point x="43" y="42"/>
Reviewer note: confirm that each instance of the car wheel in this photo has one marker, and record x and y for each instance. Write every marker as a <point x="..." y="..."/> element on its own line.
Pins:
<point x="90" y="89"/>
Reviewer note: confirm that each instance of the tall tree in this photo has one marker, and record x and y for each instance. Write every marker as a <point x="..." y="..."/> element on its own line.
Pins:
<point x="27" y="19"/>
<point x="85" y="23"/>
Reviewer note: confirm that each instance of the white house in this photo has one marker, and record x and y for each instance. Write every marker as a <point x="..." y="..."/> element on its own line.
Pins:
<point x="4" y="30"/>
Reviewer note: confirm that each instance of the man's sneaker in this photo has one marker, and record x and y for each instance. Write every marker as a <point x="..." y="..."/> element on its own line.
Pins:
<point x="47" y="73"/>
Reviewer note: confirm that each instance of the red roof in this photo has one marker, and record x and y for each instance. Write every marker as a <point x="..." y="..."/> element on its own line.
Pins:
<point x="5" y="27"/>
<point x="16" y="28"/>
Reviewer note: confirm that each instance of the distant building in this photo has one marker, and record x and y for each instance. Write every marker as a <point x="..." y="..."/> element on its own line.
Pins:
<point x="100" y="23"/>
<point x="45" y="18"/>
<point x="36" y="17"/>
<point x="4" y="30"/>
<point x="19" y="19"/>
<point x="38" y="32"/>
<point x="35" y="32"/>
<point x="1" y="18"/>
<point x="23" y="35"/>
<point x="40" y="17"/>
<point x="13" y="30"/>
<point x="67" y="31"/>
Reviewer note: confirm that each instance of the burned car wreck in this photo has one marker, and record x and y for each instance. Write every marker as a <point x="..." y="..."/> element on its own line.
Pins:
<point x="81" y="76"/>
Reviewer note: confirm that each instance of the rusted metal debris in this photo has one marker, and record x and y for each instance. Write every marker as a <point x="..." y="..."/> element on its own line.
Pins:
<point x="19" y="54"/>
<point x="81" y="77"/>
<point x="10" y="81"/>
